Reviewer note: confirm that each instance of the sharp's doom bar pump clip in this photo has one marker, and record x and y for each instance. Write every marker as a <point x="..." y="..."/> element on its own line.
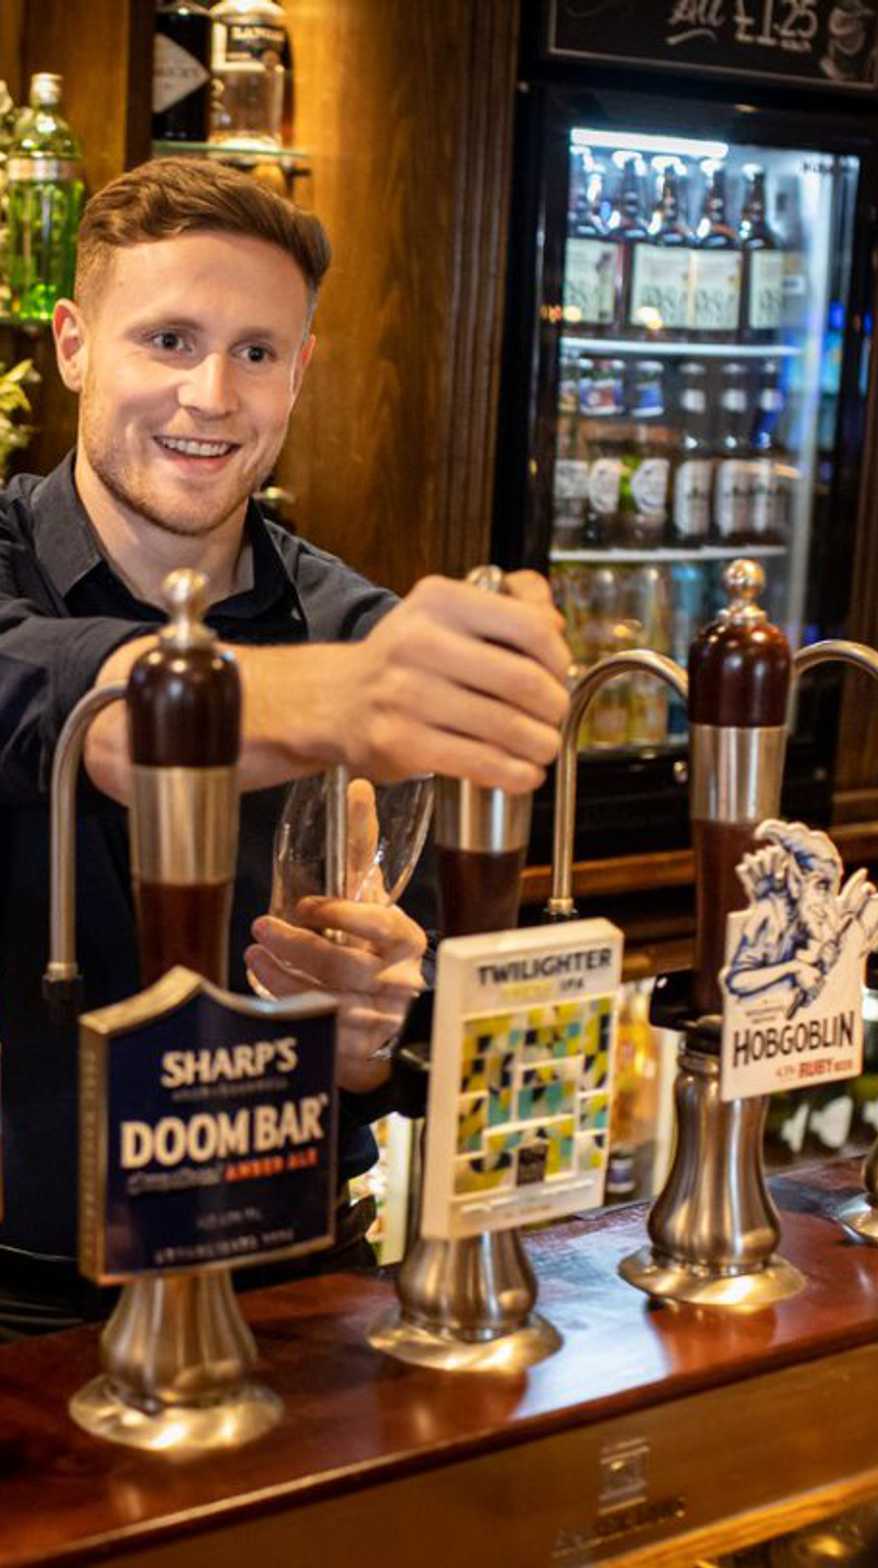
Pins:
<point x="714" y="1229"/>
<point x="182" y="1172"/>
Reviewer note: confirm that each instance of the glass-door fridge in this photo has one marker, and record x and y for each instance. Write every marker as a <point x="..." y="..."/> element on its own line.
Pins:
<point x="687" y="364"/>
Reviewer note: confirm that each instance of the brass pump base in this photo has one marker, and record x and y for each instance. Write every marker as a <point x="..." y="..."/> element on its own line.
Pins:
<point x="446" y="1352"/>
<point x="179" y="1431"/>
<point x="668" y="1280"/>
<point x="178" y="1363"/>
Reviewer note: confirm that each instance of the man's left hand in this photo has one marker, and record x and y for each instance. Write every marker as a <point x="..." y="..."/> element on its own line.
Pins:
<point x="373" y="980"/>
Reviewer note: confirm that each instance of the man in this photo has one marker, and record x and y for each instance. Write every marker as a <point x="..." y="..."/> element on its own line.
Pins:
<point x="187" y="342"/>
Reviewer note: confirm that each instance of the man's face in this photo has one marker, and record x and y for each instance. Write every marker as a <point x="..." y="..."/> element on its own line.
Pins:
<point x="192" y="356"/>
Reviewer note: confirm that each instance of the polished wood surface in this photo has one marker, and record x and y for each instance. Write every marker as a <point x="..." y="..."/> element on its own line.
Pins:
<point x="356" y="1420"/>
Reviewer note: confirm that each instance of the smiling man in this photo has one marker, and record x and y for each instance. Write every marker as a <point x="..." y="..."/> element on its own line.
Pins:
<point x="187" y="342"/>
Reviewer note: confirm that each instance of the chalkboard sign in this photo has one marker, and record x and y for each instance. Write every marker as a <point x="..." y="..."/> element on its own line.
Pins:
<point x="827" y="42"/>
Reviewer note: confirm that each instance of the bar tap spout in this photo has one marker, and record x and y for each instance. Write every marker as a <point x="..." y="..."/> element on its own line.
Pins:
<point x="859" y="1214"/>
<point x="584" y="684"/>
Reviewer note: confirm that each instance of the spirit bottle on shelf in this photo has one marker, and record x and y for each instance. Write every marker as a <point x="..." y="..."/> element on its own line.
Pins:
<point x="592" y="263"/>
<point x="732" y="485"/>
<point x="716" y="281"/>
<point x="181" y="72"/>
<point x="763" y="264"/>
<point x="693" y="471"/>
<point x="661" y="274"/>
<point x="769" y="477"/>
<point x="251" y="62"/>
<point x="44" y="200"/>
<point x="627" y="225"/>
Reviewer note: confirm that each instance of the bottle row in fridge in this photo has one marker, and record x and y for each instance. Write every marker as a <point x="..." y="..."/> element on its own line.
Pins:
<point x="644" y="460"/>
<point x="610" y="609"/>
<point x="682" y="247"/>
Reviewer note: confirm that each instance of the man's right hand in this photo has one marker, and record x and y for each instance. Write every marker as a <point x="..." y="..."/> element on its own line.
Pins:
<point x="459" y="681"/>
<point x="453" y="680"/>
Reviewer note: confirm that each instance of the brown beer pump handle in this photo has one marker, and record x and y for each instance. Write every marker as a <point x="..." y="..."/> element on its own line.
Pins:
<point x="739" y="679"/>
<point x="184" y="720"/>
<point x="481" y="839"/>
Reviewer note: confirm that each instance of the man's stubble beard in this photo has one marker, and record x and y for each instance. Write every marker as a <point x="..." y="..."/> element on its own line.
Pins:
<point x="140" y="500"/>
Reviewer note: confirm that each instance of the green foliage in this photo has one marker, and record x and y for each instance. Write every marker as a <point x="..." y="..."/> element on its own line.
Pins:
<point x="14" y="408"/>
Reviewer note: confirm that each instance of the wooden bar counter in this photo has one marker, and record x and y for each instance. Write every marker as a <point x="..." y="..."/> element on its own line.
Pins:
<point x="655" y="1435"/>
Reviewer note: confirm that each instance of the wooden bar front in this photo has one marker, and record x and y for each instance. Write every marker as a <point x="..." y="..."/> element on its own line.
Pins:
<point x="655" y="1434"/>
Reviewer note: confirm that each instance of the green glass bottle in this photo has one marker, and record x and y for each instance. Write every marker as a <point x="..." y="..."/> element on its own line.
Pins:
<point x="45" y="195"/>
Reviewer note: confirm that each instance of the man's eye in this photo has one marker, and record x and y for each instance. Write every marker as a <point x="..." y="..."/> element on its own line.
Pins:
<point x="167" y="340"/>
<point x="256" y="354"/>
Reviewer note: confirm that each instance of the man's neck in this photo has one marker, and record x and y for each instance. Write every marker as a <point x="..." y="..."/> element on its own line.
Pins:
<point x="142" y="553"/>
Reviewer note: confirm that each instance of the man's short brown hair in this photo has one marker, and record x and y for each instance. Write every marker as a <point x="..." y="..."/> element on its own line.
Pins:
<point x="170" y="196"/>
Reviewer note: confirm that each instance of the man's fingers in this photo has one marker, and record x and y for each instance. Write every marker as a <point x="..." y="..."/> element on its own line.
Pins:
<point x="362" y="833"/>
<point x="507" y="619"/>
<point x="335" y="967"/>
<point x="390" y="931"/>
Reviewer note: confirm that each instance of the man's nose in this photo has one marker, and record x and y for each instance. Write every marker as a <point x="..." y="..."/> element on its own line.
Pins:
<point x="209" y="387"/>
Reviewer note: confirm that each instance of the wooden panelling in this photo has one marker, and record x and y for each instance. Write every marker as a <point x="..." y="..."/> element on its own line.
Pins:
<point x="11" y="27"/>
<point x="405" y="112"/>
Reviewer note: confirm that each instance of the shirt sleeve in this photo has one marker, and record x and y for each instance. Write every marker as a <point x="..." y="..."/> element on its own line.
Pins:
<point x="47" y="662"/>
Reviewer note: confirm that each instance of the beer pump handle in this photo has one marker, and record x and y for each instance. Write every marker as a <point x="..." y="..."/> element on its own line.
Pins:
<point x="184" y="716"/>
<point x="739" y="680"/>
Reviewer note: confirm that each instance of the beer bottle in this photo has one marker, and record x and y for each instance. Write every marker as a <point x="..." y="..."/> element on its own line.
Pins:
<point x="604" y="632"/>
<point x="647" y="608"/>
<point x="693" y="471"/>
<point x="627" y="227"/>
<point x="731" y="512"/>
<point x="716" y="290"/>
<point x="763" y="264"/>
<point x="592" y="262"/>
<point x="645" y="466"/>
<point x="769" y="494"/>
<point x="661" y="273"/>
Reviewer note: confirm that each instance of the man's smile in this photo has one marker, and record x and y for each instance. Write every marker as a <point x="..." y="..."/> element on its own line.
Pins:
<point x="191" y="453"/>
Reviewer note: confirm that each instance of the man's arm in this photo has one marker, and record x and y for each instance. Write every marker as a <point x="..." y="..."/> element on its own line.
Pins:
<point x="453" y="680"/>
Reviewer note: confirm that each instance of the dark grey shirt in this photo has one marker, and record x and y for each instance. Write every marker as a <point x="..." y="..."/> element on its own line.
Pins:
<point x="62" y="612"/>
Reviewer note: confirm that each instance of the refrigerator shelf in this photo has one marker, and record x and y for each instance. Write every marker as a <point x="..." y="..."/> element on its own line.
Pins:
<point x="688" y="348"/>
<point x="710" y="552"/>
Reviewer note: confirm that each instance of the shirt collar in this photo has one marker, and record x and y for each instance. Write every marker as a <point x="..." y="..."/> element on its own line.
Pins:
<point x="67" y="546"/>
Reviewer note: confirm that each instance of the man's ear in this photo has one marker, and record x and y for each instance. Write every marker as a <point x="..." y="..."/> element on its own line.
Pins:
<point x="303" y="360"/>
<point x="68" y="328"/>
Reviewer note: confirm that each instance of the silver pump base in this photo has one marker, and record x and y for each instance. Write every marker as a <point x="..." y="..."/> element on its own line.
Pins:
<point x="177" y="1362"/>
<point x="466" y="1306"/>
<point x="714" y="1229"/>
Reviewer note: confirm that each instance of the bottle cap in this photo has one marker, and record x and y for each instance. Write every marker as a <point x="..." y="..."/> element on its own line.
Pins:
<point x="45" y="89"/>
<point x="744" y="581"/>
<point x="185" y="594"/>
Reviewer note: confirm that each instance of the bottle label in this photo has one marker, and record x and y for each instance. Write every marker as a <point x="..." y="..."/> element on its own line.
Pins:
<point x="735" y="400"/>
<point x="591" y="270"/>
<point x="571" y="480"/>
<point x="601" y="394"/>
<point x="692" y="498"/>
<point x="660" y="287"/>
<point x="42" y="170"/>
<point x="765" y="305"/>
<point x="733" y="480"/>
<point x="649" y="486"/>
<point x="254" y="41"/>
<point x="764" y="497"/>
<point x="175" y="74"/>
<point x="604" y="482"/>
<point x="693" y="400"/>
<point x="716" y="291"/>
